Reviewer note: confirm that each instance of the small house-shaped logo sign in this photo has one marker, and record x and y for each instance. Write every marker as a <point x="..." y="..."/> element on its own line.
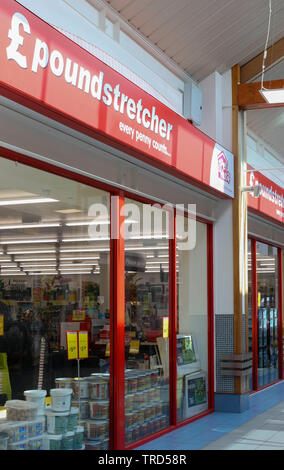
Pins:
<point x="223" y="168"/>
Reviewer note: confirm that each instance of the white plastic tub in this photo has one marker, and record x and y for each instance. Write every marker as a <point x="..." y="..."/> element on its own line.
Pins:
<point x="4" y="438"/>
<point x="22" y="445"/>
<point x="61" y="399"/>
<point x="78" y="438"/>
<point x="57" y="422"/>
<point x="36" y="427"/>
<point x="21" y="410"/>
<point x="37" y="397"/>
<point x="52" y="441"/>
<point x="36" y="443"/>
<point x="68" y="441"/>
<point x="81" y="387"/>
<point x="73" y="419"/>
<point x="16" y="430"/>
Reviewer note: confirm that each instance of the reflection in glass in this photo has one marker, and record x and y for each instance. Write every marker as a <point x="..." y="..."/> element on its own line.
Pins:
<point x="250" y="322"/>
<point x="146" y="321"/>
<point x="55" y="277"/>
<point x="192" y="342"/>
<point x="267" y="314"/>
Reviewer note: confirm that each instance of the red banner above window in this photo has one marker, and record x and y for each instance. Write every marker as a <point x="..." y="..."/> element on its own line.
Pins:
<point x="271" y="200"/>
<point x="58" y="78"/>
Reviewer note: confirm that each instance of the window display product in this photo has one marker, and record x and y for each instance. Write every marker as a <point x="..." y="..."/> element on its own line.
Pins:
<point x="99" y="409"/>
<point x="98" y="387"/>
<point x="144" y="405"/>
<point x="4" y="438"/>
<point x="83" y="407"/>
<point x="97" y="429"/>
<point x="57" y="421"/>
<point x="61" y="399"/>
<point x="73" y="419"/>
<point x="64" y="382"/>
<point x="185" y="350"/>
<point x="80" y="387"/>
<point x="52" y="441"/>
<point x="54" y="430"/>
<point x="16" y="430"/>
<point x="78" y="437"/>
<point x="195" y="396"/>
<point x="68" y="441"/>
<point x="36" y="443"/>
<point x="38" y="397"/>
<point x="20" y="410"/>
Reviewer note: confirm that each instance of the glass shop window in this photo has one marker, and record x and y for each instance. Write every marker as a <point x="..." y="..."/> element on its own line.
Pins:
<point x="54" y="279"/>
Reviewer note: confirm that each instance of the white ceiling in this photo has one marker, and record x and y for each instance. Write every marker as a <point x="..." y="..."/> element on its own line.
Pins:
<point x="207" y="35"/>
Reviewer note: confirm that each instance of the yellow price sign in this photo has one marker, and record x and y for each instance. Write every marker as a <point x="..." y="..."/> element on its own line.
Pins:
<point x="79" y="314"/>
<point x="83" y="345"/>
<point x="259" y="299"/>
<point x="1" y="325"/>
<point x="134" y="346"/>
<point x="72" y="344"/>
<point x="165" y="327"/>
<point x="107" y="353"/>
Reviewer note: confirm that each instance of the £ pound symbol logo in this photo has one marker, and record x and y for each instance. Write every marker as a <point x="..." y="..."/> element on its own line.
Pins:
<point x="17" y="40"/>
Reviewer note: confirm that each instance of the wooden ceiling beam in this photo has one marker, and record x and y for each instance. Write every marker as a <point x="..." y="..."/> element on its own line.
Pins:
<point x="249" y="96"/>
<point x="253" y="68"/>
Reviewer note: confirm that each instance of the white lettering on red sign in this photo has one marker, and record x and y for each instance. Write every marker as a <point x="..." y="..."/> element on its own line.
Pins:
<point x="17" y="40"/>
<point x="94" y="85"/>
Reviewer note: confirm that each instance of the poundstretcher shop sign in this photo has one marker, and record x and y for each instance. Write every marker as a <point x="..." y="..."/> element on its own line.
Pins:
<point x="61" y="79"/>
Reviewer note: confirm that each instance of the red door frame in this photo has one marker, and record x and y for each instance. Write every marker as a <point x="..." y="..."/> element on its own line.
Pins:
<point x="280" y="310"/>
<point x="173" y="323"/>
<point x="254" y="315"/>
<point x="117" y="273"/>
<point x="117" y="350"/>
<point x="255" y="310"/>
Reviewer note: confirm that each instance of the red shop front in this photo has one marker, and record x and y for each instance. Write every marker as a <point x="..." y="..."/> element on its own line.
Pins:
<point x="265" y="276"/>
<point x="95" y="174"/>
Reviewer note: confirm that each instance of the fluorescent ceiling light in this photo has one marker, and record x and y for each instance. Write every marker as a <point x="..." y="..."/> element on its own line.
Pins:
<point x="96" y="222"/>
<point x="83" y="250"/>
<point x="16" y="226"/>
<point x="265" y="259"/>
<point x="275" y="96"/>
<point x="43" y="273"/>
<point x="26" y="266"/>
<point x="73" y="268"/>
<point x="75" y="265"/>
<point x="21" y="242"/>
<point x="91" y="222"/>
<point x="12" y="202"/>
<point x="37" y="269"/>
<point x="85" y="239"/>
<point x="20" y="260"/>
<point x="13" y="274"/>
<point x="142" y="248"/>
<point x="146" y="237"/>
<point x="69" y="273"/>
<point x="30" y="252"/>
<point x="68" y="211"/>
<point x="157" y="262"/>
<point x="79" y="258"/>
<point x="155" y="271"/>
<point x="8" y="271"/>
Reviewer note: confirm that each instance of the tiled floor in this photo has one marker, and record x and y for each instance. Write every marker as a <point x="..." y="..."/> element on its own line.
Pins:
<point x="259" y="428"/>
